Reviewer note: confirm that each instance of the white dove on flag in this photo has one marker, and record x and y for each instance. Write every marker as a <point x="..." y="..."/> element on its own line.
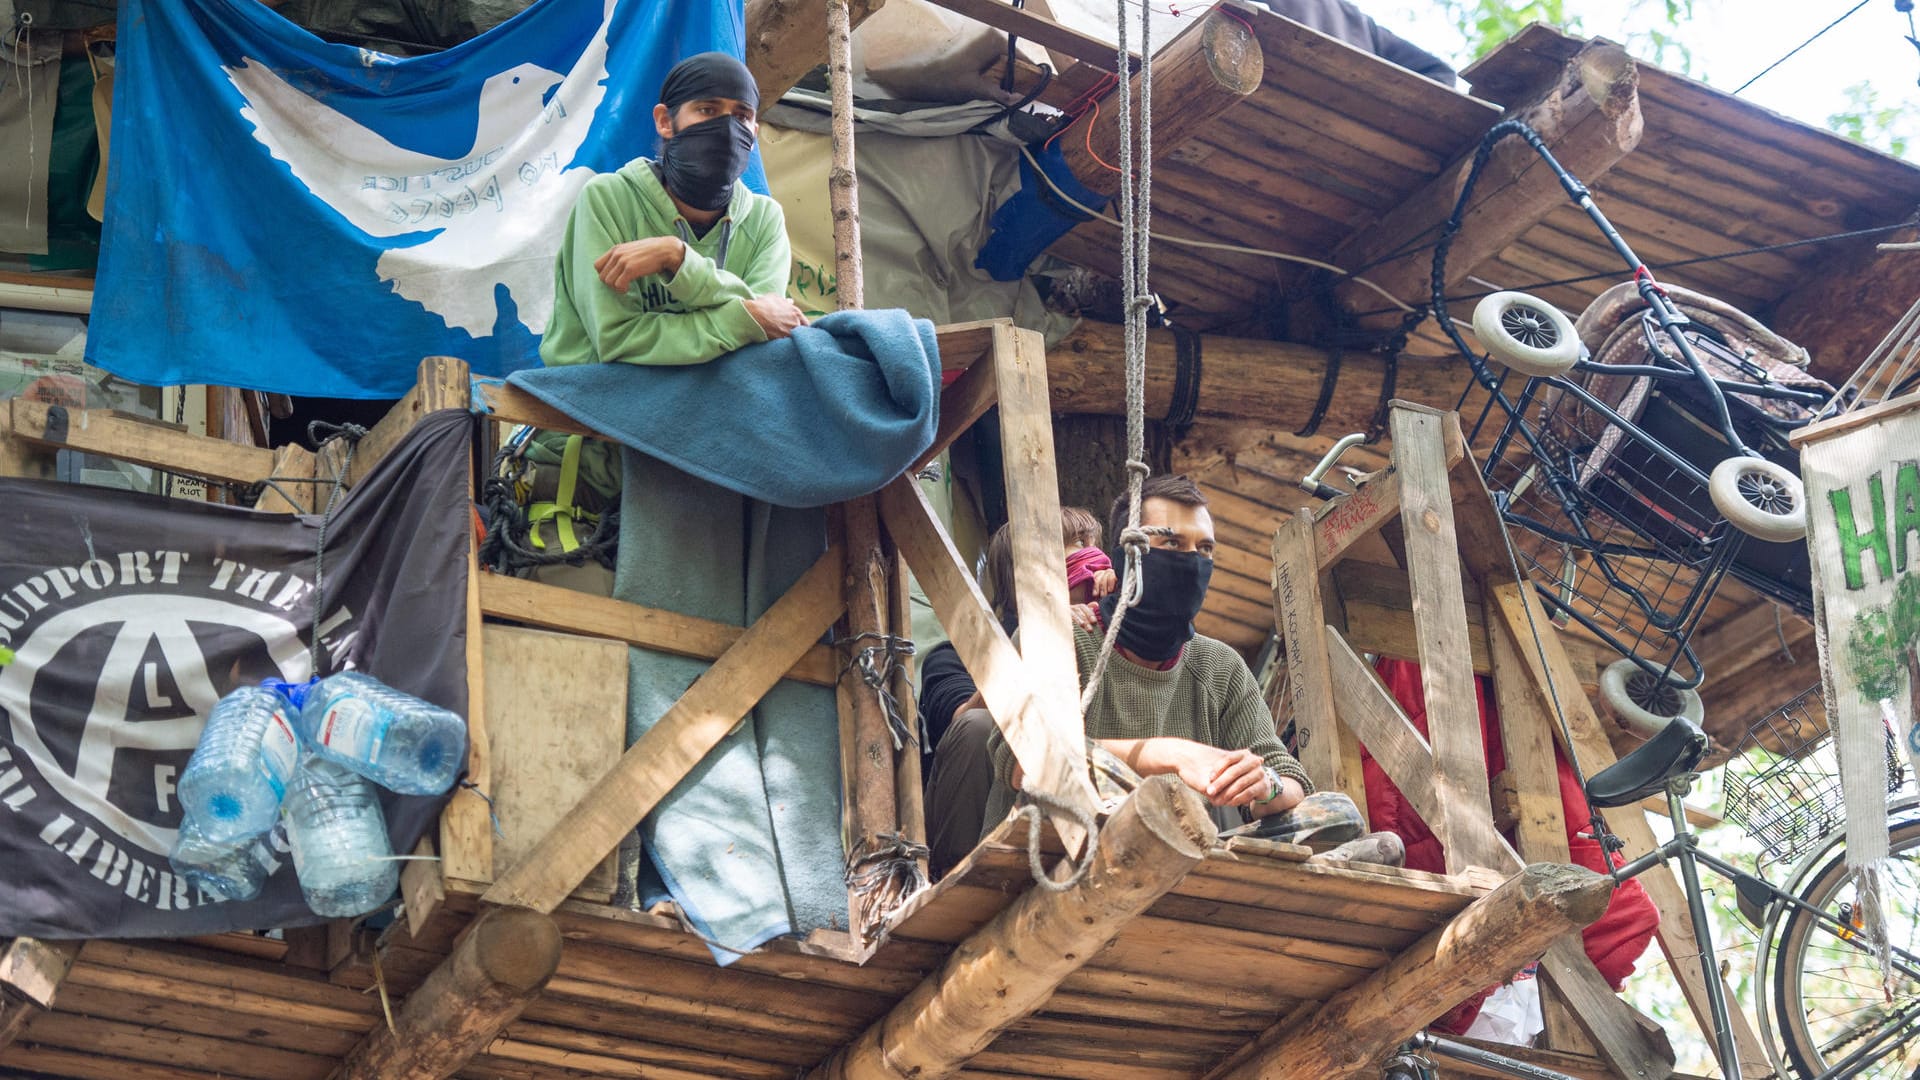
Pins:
<point x="492" y="217"/>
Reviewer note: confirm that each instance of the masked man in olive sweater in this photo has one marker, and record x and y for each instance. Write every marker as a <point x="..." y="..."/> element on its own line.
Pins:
<point x="1173" y="701"/>
<point x="672" y="260"/>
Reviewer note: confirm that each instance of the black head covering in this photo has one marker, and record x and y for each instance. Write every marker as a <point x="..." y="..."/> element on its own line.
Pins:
<point x="708" y="75"/>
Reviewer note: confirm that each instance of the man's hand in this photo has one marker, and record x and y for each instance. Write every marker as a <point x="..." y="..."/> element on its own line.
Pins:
<point x="624" y="264"/>
<point x="1239" y="778"/>
<point x="777" y="315"/>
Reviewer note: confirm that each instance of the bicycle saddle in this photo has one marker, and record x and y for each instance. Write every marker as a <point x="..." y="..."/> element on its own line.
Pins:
<point x="1673" y="752"/>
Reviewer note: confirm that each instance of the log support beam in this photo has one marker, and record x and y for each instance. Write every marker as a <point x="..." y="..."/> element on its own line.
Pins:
<point x="1496" y="935"/>
<point x="503" y="961"/>
<point x="1009" y="968"/>
<point x="1212" y="65"/>
<point x="1589" y="117"/>
<point x="788" y="38"/>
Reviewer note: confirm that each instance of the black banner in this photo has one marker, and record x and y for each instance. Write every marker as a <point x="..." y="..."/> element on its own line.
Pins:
<point x="128" y="616"/>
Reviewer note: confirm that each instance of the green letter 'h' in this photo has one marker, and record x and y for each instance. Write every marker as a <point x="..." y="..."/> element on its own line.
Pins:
<point x="1854" y="543"/>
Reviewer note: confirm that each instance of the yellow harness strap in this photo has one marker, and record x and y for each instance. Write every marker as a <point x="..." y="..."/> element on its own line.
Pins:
<point x="561" y="511"/>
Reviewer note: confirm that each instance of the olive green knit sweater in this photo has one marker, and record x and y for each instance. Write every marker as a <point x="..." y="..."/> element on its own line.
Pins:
<point x="1209" y="697"/>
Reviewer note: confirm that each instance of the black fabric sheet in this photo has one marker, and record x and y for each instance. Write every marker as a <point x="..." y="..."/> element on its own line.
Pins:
<point x="130" y="615"/>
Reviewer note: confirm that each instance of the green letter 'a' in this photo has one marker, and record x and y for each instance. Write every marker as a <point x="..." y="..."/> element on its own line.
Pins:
<point x="1853" y="543"/>
<point x="1906" y="510"/>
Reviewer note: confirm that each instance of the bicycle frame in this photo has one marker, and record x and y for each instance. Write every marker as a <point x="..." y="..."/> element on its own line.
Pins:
<point x="1684" y="846"/>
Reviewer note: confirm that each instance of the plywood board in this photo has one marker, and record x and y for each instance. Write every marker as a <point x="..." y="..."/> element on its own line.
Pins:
<point x="557" y="718"/>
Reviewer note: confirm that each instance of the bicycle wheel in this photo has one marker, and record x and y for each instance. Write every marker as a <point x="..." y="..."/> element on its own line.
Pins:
<point x="1826" y="983"/>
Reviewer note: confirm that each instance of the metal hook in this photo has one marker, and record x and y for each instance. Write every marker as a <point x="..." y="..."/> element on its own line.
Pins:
<point x="1314" y="482"/>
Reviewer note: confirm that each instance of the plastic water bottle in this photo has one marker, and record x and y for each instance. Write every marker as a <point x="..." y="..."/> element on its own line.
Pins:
<point x="396" y="740"/>
<point x="233" y="784"/>
<point x="339" y="840"/>
<point x="224" y="870"/>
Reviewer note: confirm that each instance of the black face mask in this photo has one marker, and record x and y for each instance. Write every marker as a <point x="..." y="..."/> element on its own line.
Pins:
<point x="1173" y="586"/>
<point x="701" y="162"/>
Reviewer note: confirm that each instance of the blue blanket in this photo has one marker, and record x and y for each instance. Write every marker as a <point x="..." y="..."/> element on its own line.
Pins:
<point x="831" y="413"/>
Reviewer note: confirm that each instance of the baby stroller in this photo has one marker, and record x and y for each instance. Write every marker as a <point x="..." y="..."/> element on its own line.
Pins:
<point x="1642" y="456"/>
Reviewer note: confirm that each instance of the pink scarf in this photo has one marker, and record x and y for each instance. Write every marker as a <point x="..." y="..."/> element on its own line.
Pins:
<point x="1084" y="563"/>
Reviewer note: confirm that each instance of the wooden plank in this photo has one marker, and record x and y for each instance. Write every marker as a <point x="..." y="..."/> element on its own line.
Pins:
<point x="137" y="440"/>
<point x="293" y="484"/>
<point x="1328" y="749"/>
<point x="1520" y="618"/>
<point x="1500" y="932"/>
<point x="442" y="382"/>
<point x="710" y="708"/>
<point x="105" y="1039"/>
<point x="1398" y="747"/>
<point x="1052" y="762"/>
<point x="556" y="721"/>
<point x="1010" y="967"/>
<point x="962" y="404"/>
<point x="1037" y="28"/>
<point x="1540" y="827"/>
<point x="1033" y="520"/>
<point x="1440" y="619"/>
<point x="1378" y="607"/>
<point x="908" y="785"/>
<point x="553" y="608"/>
<point x="785" y="40"/>
<point x="466" y="824"/>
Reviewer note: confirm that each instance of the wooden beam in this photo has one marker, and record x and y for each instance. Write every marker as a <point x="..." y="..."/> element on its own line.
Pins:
<point x="1589" y="118"/>
<point x="1440" y="623"/>
<point x="1019" y="361"/>
<point x="788" y="38"/>
<point x="441" y="382"/>
<point x="867" y="740"/>
<point x="1495" y="936"/>
<point x="1008" y="969"/>
<point x="1039" y="29"/>
<point x="293" y="487"/>
<point x="962" y="404"/>
<point x="136" y="439"/>
<point x="1520" y="617"/>
<point x="1053" y="760"/>
<point x="553" y="608"/>
<point x="1328" y="749"/>
<point x="501" y="964"/>
<point x="1209" y="67"/>
<point x="1085" y="375"/>
<point x="711" y="707"/>
<point x="1532" y="775"/>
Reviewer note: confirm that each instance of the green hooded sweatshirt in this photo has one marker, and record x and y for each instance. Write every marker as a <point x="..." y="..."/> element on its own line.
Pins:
<point x="689" y="318"/>
<point x="692" y="317"/>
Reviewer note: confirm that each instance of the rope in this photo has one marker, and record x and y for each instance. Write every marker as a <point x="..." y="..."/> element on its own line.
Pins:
<point x="321" y="432"/>
<point x="1033" y="810"/>
<point x="508" y="545"/>
<point x="1187" y="354"/>
<point x="883" y="878"/>
<point x="1136" y="219"/>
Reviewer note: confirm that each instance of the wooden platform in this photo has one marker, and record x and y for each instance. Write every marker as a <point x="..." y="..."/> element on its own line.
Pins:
<point x="1249" y="936"/>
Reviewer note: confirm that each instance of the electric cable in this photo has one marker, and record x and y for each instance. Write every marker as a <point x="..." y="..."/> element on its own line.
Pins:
<point x="1790" y="53"/>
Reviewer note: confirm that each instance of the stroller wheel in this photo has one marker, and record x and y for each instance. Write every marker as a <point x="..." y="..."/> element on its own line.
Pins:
<point x="1759" y="498"/>
<point x="1644" y="702"/>
<point x="1526" y="333"/>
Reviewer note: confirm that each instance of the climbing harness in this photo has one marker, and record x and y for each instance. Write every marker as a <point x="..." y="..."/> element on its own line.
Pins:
<point x="513" y="542"/>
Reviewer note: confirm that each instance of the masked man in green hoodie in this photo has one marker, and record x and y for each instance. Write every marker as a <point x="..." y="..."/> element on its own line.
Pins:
<point x="672" y="260"/>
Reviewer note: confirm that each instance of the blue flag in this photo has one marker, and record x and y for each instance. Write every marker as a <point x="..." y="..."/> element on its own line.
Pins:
<point x="290" y="215"/>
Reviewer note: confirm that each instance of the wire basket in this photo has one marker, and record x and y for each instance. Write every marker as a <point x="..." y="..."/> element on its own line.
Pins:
<point x="1614" y="534"/>
<point x="1783" y="784"/>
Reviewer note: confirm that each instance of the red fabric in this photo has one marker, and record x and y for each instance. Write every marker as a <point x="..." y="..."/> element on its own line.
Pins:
<point x="1614" y="942"/>
<point x="1083" y="563"/>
